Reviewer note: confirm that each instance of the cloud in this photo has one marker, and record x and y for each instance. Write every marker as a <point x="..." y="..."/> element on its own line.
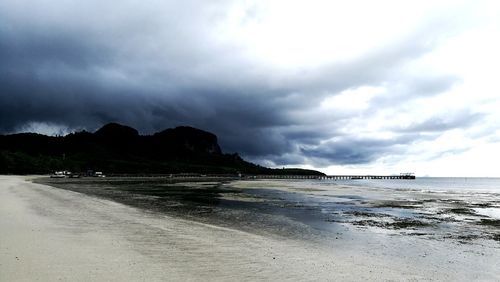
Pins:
<point x="158" y="64"/>
<point x="358" y="150"/>
<point x="451" y="120"/>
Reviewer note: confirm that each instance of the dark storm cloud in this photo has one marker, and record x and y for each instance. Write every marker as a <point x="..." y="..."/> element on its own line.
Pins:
<point x="155" y="65"/>
<point x="416" y="87"/>
<point x="451" y="120"/>
<point x="355" y="150"/>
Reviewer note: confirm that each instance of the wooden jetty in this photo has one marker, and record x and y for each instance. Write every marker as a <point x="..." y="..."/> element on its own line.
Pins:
<point x="354" y="177"/>
<point x="270" y="176"/>
<point x="406" y="176"/>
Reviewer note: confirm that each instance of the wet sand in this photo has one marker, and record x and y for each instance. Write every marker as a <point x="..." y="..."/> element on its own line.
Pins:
<point x="51" y="234"/>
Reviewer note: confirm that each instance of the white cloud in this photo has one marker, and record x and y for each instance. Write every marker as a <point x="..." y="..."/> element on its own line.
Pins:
<point x="44" y="128"/>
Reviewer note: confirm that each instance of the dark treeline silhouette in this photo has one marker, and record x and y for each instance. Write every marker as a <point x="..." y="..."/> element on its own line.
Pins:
<point x="116" y="148"/>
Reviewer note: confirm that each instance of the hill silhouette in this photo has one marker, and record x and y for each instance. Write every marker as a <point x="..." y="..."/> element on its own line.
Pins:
<point x="120" y="149"/>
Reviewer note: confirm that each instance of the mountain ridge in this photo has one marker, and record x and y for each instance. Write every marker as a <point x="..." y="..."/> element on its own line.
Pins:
<point x="116" y="148"/>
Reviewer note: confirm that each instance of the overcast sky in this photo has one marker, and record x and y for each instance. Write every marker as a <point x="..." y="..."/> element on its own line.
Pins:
<point x="340" y="86"/>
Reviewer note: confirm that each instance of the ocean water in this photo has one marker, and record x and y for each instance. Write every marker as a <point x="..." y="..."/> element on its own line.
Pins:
<point x="432" y="184"/>
<point x="462" y="209"/>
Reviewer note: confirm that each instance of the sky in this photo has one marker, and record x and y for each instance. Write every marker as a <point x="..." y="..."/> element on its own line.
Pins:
<point x="358" y="87"/>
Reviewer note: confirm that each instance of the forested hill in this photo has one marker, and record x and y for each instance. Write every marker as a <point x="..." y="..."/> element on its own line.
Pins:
<point x="116" y="148"/>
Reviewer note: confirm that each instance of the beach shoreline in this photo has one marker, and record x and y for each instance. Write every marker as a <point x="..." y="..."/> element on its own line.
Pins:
<point x="52" y="234"/>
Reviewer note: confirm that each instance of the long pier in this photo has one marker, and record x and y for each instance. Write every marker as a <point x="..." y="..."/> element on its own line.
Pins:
<point x="406" y="176"/>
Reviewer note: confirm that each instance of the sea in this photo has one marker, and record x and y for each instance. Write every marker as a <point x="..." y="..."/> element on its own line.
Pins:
<point x="462" y="209"/>
<point x="475" y="196"/>
<point x="434" y="184"/>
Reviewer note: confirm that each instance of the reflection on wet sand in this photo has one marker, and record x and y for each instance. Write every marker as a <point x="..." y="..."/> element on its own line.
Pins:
<point x="302" y="208"/>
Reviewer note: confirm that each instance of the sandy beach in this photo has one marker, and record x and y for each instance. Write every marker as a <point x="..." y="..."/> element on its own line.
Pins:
<point x="51" y="234"/>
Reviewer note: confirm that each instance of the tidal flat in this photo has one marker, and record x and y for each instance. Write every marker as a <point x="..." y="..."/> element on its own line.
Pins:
<point x="304" y="208"/>
<point x="229" y="229"/>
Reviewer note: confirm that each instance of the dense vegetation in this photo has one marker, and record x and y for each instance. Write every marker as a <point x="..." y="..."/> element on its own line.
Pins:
<point x="118" y="149"/>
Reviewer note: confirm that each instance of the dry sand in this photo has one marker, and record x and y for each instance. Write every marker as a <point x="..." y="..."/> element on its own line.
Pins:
<point x="50" y="234"/>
